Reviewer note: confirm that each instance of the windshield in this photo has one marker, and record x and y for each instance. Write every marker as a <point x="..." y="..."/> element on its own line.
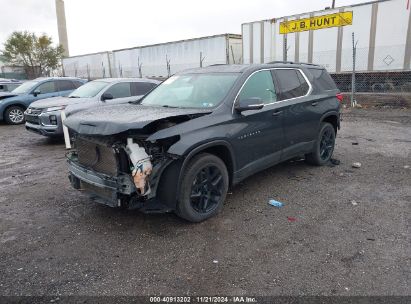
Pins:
<point x="89" y="89"/>
<point x="192" y="91"/>
<point x="25" y="87"/>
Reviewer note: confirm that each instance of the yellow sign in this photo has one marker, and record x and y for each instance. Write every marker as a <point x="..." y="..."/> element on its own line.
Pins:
<point x="316" y="23"/>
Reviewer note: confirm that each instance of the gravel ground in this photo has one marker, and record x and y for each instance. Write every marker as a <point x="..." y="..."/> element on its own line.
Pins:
<point x="342" y="231"/>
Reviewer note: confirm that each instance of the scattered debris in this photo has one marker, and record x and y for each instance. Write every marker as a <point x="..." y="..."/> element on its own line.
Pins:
<point x="291" y="219"/>
<point x="356" y="165"/>
<point x="355" y="143"/>
<point x="335" y="161"/>
<point x="275" y="203"/>
<point x="354" y="203"/>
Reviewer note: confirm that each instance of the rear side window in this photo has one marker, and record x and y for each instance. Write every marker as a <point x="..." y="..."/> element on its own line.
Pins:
<point x="141" y="88"/>
<point x="47" y="87"/>
<point x="259" y="85"/>
<point x="120" y="90"/>
<point x="322" y="79"/>
<point x="65" y="85"/>
<point x="291" y="83"/>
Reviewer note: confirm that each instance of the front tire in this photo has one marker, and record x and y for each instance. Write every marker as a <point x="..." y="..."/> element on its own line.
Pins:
<point x="14" y="115"/>
<point x="323" y="147"/>
<point x="203" y="188"/>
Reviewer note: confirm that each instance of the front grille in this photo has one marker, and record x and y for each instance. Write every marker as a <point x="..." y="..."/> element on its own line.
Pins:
<point x="99" y="157"/>
<point x="32" y="119"/>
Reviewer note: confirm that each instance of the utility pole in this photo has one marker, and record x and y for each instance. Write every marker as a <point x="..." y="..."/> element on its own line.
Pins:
<point x="333" y="4"/>
<point x="61" y="26"/>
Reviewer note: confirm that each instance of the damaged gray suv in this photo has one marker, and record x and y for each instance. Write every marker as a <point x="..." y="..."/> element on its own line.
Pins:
<point x="200" y="132"/>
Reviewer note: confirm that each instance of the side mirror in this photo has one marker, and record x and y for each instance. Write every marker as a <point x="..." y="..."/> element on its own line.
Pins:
<point x="106" y="96"/>
<point x="253" y="103"/>
<point x="36" y="92"/>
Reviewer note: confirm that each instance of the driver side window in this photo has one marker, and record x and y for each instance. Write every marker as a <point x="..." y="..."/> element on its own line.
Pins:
<point x="259" y="85"/>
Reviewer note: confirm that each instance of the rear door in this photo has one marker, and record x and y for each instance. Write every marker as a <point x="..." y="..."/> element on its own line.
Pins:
<point x="141" y="88"/>
<point x="300" y="111"/>
<point x="257" y="135"/>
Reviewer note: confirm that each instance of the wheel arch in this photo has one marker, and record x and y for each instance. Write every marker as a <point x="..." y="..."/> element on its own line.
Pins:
<point x="219" y="148"/>
<point x="332" y="118"/>
<point x="13" y="104"/>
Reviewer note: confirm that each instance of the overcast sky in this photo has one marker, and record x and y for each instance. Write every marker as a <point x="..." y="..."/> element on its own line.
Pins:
<point x="97" y="25"/>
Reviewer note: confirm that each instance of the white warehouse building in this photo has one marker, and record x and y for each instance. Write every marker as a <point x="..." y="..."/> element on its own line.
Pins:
<point x="158" y="60"/>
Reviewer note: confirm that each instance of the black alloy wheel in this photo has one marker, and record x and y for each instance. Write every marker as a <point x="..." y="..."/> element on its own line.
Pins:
<point x="207" y="189"/>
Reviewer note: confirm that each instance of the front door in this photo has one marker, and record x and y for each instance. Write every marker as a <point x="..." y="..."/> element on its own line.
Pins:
<point x="46" y="90"/>
<point x="257" y="135"/>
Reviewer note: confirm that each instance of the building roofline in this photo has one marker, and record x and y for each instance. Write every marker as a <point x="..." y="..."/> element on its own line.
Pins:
<point x="184" y="40"/>
<point x="238" y="36"/>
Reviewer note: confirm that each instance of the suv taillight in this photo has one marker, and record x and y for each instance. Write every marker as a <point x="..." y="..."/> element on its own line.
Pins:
<point x="340" y="97"/>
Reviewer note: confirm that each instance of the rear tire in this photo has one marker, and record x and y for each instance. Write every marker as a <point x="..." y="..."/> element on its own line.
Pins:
<point x="323" y="147"/>
<point x="14" y="115"/>
<point x="203" y="188"/>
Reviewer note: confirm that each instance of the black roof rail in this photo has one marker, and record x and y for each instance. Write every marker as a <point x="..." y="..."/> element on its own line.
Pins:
<point x="313" y="64"/>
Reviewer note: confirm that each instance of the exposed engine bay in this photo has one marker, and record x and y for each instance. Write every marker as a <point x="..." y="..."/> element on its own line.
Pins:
<point x="142" y="166"/>
<point x="120" y="170"/>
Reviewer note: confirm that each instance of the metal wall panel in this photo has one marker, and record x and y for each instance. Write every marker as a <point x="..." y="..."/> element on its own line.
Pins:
<point x="361" y="29"/>
<point x="245" y="31"/>
<point x="181" y="55"/>
<point x="91" y="66"/>
<point x="390" y="40"/>
<point x="256" y="42"/>
<point x="267" y="41"/>
<point x="325" y="45"/>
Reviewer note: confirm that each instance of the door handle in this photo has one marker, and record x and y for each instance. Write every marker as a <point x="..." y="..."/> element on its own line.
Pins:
<point x="276" y="113"/>
<point x="314" y="103"/>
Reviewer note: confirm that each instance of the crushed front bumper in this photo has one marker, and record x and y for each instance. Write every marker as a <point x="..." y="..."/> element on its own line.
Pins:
<point x="112" y="191"/>
<point x="104" y="189"/>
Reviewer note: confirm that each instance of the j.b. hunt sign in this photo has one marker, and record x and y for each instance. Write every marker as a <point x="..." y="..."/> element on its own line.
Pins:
<point x="316" y="23"/>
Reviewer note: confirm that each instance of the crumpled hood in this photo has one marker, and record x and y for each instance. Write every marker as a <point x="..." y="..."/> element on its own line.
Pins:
<point x="114" y="119"/>
<point x="56" y="102"/>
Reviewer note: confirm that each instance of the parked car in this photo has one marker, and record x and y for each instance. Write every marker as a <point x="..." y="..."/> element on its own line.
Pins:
<point x="8" y="85"/>
<point x="13" y="104"/>
<point x="201" y="131"/>
<point x="44" y="116"/>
